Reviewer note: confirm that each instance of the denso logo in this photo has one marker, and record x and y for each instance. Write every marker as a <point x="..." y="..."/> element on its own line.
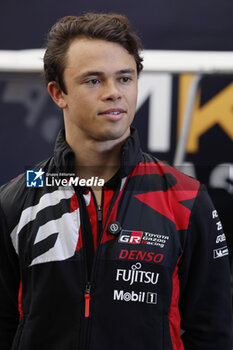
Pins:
<point x="142" y="256"/>
<point x="133" y="237"/>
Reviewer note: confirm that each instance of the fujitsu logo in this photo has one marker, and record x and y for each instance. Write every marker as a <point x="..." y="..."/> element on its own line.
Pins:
<point x="137" y="275"/>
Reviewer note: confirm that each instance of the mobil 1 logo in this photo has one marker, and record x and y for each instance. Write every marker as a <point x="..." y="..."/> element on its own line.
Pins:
<point x="140" y="297"/>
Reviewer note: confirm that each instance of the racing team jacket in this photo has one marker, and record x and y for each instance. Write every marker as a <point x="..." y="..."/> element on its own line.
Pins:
<point x="160" y="268"/>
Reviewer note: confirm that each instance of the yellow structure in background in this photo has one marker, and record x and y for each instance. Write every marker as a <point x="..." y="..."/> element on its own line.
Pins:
<point x="218" y="110"/>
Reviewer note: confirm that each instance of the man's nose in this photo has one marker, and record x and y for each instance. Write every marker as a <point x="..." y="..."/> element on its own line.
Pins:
<point x="111" y="91"/>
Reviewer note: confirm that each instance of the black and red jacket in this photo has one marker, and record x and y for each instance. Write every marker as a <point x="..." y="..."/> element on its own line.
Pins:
<point x="160" y="268"/>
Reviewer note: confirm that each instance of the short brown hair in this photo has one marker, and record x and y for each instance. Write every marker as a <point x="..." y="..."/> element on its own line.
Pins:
<point x="110" y="27"/>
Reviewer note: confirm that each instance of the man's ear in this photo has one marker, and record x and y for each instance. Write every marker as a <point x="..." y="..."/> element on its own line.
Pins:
<point x="57" y="94"/>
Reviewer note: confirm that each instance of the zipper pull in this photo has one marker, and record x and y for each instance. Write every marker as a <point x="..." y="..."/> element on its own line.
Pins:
<point x="99" y="213"/>
<point x="87" y="298"/>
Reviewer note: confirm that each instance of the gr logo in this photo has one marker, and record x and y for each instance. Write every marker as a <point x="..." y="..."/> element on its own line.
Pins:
<point x="133" y="237"/>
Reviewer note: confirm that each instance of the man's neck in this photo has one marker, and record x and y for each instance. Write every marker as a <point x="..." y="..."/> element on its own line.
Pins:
<point x="95" y="158"/>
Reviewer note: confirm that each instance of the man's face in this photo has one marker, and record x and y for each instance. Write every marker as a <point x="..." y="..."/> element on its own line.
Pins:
<point x="101" y="82"/>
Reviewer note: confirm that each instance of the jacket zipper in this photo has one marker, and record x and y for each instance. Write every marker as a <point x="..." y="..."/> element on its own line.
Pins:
<point x="99" y="214"/>
<point x="87" y="297"/>
<point x="99" y="211"/>
<point x="100" y="230"/>
<point x="87" y="273"/>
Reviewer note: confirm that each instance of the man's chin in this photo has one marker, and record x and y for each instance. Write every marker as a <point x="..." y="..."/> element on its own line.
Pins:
<point x="115" y="135"/>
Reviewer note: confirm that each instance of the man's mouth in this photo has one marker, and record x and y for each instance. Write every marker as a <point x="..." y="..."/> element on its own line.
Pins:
<point x="114" y="111"/>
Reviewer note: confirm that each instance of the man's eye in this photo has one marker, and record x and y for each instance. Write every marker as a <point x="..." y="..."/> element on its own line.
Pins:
<point x="93" y="82"/>
<point x="125" y="79"/>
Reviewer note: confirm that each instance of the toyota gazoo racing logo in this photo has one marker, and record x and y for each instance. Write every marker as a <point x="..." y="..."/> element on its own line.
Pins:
<point x="136" y="275"/>
<point x="140" y="237"/>
<point x="133" y="237"/>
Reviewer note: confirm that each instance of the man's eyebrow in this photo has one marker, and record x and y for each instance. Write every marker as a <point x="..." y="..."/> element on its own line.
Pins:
<point x="98" y="73"/>
<point x="126" y="71"/>
<point x="91" y="73"/>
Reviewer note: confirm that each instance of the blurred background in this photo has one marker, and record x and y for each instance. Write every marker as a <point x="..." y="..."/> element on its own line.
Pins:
<point x="29" y="121"/>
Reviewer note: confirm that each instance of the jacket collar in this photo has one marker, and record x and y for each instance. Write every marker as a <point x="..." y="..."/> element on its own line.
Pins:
<point x="64" y="156"/>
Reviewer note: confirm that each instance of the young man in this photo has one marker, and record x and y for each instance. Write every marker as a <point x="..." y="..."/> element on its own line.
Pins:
<point x="122" y="266"/>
